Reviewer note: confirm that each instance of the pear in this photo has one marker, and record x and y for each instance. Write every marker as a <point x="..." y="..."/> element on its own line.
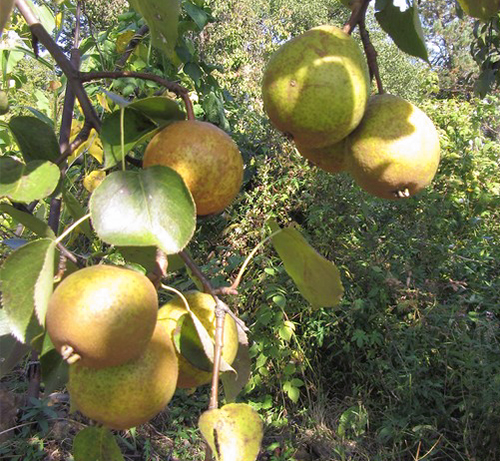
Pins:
<point x="4" y="102"/>
<point x="207" y="159"/>
<point x="316" y="86"/>
<point x="480" y="9"/>
<point x="203" y="306"/>
<point x="130" y="394"/>
<point x="330" y="158"/>
<point x="394" y="152"/>
<point x="104" y="315"/>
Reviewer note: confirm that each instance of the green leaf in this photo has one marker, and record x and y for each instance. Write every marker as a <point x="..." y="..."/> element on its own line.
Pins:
<point x="54" y="368"/>
<point x="404" y="27"/>
<point x="234" y="432"/>
<point x="292" y="391"/>
<point x="162" y="19"/>
<point x="144" y="208"/>
<point x="194" y="71"/>
<point x="27" y="182"/>
<point x="158" y="109"/>
<point x="195" y="344"/>
<point x="234" y="382"/>
<point x="197" y="14"/>
<point x="35" y="138"/>
<point x="12" y="351"/>
<point x="96" y="444"/>
<point x="34" y="224"/>
<point x="76" y="211"/>
<point x="137" y="128"/>
<point x="26" y="284"/>
<point x="317" y="279"/>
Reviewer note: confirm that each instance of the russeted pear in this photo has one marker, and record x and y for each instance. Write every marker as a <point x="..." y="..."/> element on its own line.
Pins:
<point x="203" y="306"/>
<point x="130" y="394"/>
<point x="207" y="159"/>
<point x="316" y="86"/>
<point x="105" y="314"/>
<point x="481" y="9"/>
<point x="394" y="152"/>
<point x="329" y="158"/>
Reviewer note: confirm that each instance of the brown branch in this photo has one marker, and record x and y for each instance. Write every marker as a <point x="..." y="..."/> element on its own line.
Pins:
<point x="179" y="90"/>
<point x="371" y="55"/>
<point x="80" y="138"/>
<point x="358" y="12"/>
<point x="131" y="46"/>
<point x="62" y="61"/>
<point x="160" y="269"/>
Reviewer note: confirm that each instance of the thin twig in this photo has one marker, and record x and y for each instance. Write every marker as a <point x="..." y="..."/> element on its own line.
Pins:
<point x="358" y="8"/>
<point x="371" y="55"/>
<point x="193" y="267"/>
<point x="131" y="46"/>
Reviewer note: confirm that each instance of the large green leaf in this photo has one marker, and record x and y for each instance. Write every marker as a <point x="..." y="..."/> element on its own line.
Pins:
<point x="96" y="444"/>
<point x="317" y="278"/>
<point x="26" y="284"/>
<point x="234" y="432"/>
<point x="144" y="208"/>
<point x="27" y="182"/>
<point x="403" y="26"/>
<point x="162" y="19"/>
<point x="34" y="224"/>
<point x="136" y="128"/>
<point x="35" y="138"/>
<point x="159" y="109"/>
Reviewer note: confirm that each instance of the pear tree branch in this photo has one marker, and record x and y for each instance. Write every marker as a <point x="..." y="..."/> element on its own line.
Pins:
<point x="371" y="55"/>
<point x="358" y="12"/>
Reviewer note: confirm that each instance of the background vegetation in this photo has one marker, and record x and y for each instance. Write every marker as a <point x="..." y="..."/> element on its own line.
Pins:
<point x="408" y="366"/>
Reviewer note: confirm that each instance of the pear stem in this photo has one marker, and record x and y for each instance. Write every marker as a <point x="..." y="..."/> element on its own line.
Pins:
<point x="358" y="8"/>
<point x="371" y="55"/>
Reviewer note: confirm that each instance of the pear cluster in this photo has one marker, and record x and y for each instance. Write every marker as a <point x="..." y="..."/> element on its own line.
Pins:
<point x="123" y="366"/>
<point x="206" y="158"/>
<point x="316" y="89"/>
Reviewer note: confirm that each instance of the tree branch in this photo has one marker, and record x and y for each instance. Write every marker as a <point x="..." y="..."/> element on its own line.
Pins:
<point x="358" y="12"/>
<point x="371" y="55"/>
<point x="179" y="90"/>
<point x="134" y="41"/>
<point x="62" y="61"/>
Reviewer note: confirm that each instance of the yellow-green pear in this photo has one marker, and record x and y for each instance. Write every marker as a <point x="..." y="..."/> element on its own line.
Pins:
<point x="330" y="158"/>
<point x="316" y="86"/>
<point x="480" y="9"/>
<point x="394" y="152"/>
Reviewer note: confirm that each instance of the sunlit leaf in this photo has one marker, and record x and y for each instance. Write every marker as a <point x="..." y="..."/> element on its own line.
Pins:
<point x="36" y="139"/>
<point x="96" y="444"/>
<point x="403" y="26"/>
<point x="27" y="182"/>
<point x="162" y="19"/>
<point x="93" y="179"/>
<point x="123" y="40"/>
<point x="26" y="285"/>
<point x="317" y="278"/>
<point x="150" y="207"/>
<point x="234" y="432"/>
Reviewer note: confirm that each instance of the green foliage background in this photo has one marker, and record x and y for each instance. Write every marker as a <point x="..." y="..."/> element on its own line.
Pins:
<point x="409" y="363"/>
